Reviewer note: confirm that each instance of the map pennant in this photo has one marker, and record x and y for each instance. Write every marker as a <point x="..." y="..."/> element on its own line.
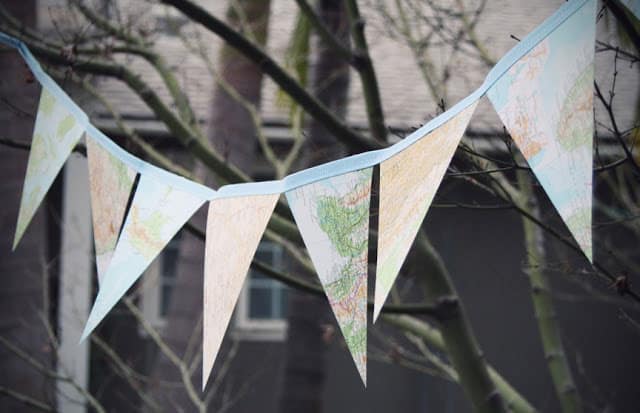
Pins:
<point x="234" y="229"/>
<point x="157" y="212"/>
<point x="333" y="218"/>
<point x="56" y="133"/>
<point x="408" y="183"/>
<point x="545" y="101"/>
<point x="110" y="183"/>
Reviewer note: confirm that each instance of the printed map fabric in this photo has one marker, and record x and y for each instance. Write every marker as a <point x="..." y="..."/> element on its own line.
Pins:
<point x="546" y="102"/>
<point x="408" y="183"/>
<point x="55" y="134"/>
<point x="333" y="218"/>
<point x="234" y="229"/>
<point x="110" y="182"/>
<point x="157" y="212"/>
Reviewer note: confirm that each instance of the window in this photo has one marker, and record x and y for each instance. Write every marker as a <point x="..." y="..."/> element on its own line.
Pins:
<point x="262" y="306"/>
<point x="169" y="273"/>
<point x="158" y="282"/>
<point x="261" y="309"/>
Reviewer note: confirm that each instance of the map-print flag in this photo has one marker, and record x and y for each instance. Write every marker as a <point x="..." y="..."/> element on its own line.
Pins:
<point x="234" y="229"/>
<point x="408" y="183"/>
<point x="545" y="101"/>
<point x="157" y="212"/>
<point x="110" y="182"/>
<point x="333" y="218"/>
<point x="56" y="133"/>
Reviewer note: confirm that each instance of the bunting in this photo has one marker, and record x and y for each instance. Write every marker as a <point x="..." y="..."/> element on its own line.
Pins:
<point x="157" y="212"/>
<point x="234" y="229"/>
<point x="542" y="91"/>
<point x="408" y="182"/>
<point x="110" y="183"/>
<point x="546" y="102"/>
<point x="56" y="133"/>
<point x="333" y="218"/>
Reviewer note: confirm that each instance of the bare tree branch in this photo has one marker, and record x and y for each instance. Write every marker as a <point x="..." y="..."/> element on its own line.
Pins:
<point x="279" y="75"/>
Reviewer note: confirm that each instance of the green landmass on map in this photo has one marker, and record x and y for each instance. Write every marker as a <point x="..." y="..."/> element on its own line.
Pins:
<point x="574" y="127"/>
<point x="344" y="220"/>
<point x="65" y="126"/>
<point x="344" y="224"/>
<point x="356" y="337"/>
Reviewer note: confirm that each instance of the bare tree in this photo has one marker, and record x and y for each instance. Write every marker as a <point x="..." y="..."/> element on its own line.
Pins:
<point x="431" y="335"/>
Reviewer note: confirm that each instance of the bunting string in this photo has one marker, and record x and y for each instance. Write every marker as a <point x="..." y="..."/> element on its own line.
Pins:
<point x="541" y="89"/>
<point x="317" y="173"/>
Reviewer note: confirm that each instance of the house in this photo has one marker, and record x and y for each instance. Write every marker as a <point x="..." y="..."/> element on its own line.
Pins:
<point x="483" y="249"/>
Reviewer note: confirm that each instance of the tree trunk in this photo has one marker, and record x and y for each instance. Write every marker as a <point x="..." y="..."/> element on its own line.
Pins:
<point x="232" y="132"/>
<point x="541" y="295"/>
<point x="304" y="369"/>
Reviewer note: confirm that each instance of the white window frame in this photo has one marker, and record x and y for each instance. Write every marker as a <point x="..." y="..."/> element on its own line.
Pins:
<point x="243" y="328"/>
<point x="253" y="329"/>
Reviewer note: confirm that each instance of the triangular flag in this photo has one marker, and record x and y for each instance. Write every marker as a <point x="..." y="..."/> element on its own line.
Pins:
<point x="157" y="212"/>
<point x="234" y="229"/>
<point x="333" y="218"/>
<point x="55" y="134"/>
<point x="408" y="183"/>
<point x="110" y="182"/>
<point x="546" y="102"/>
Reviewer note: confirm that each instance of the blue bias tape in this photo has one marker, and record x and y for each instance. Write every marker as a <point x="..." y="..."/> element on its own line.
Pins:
<point x="314" y="174"/>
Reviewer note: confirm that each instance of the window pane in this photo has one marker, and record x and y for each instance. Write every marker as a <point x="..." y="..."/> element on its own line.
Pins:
<point x="170" y="257"/>
<point x="284" y="301"/>
<point x="266" y="298"/>
<point x="168" y="273"/>
<point x="257" y="275"/>
<point x="260" y="303"/>
<point x="264" y="255"/>
<point x="165" y="299"/>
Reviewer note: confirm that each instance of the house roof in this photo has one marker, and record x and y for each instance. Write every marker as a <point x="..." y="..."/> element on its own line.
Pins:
<point x="406" y="100"/>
